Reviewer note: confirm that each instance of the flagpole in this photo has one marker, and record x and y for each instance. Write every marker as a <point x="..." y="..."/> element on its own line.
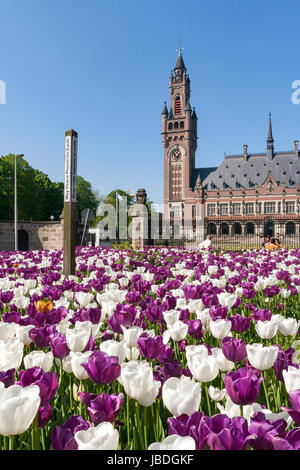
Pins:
<point x="117" y="215"/>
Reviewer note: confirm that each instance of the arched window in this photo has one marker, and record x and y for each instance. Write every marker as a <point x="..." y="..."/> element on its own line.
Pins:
<point x="237" y="229"/>
<point x="170" y="127"/>
<point x="177" y="105"/>
<point x="181" y="125"/>
<point x="175" y="125"/>
<point x="23" y="240"/>
<point x="290" y="228"/>
<point x="224" y="229"/>
<point x="211" y="229"/>
<point x="250" y="228"/>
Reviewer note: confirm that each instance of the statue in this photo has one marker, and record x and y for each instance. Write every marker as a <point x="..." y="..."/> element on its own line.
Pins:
<point x="141" y="196"/>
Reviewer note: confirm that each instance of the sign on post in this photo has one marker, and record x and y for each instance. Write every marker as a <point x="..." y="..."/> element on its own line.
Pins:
<point x="71" y="139"/>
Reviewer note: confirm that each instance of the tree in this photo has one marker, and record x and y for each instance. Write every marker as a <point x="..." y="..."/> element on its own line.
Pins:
<point x="38" y="197"/>
<point x="86" y="197"/>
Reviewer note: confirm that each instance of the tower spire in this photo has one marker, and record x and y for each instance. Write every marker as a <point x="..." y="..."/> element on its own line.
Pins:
<point x="270" y="140"/>
<point x="270" y="135"/>
<point x="180" y="63"/>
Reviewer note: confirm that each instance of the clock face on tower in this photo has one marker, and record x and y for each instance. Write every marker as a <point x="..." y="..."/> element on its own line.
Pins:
<point x="176" y="155"/>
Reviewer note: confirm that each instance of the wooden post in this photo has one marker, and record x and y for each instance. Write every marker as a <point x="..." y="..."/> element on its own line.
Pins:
<point x="71" y="138"/>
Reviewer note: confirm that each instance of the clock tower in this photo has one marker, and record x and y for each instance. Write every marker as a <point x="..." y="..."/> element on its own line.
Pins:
<point x="179" y="139"/>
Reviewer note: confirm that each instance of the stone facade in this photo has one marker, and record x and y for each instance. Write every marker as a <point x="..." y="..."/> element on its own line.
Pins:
<point x="32" y="235"/>
<point x="247" y="193"/>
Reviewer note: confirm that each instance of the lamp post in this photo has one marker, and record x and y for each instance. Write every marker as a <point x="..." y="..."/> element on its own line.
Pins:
<point x="16" y="203"/>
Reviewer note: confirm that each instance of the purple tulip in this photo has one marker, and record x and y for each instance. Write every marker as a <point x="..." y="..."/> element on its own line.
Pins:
<point x="294" y="412"/>
<point x="149" y="347"/>
<point x="242" y="385"/>
<point x="234" y="349"/>
<point x="62" y="437"/>
<point x="42" y="336"/>
<point x="290" y="442"/>
<point x="240" y="323"/>
<point x="44" y="415"/>
<point x="46" y="381"/>
<point x="226" y="433"/>
<point x="59" y="346"/>
<point x="102" y="407"/>
<point x="194" y="426"/>
<point x="6" y="297"/>
<point x="8" y="377"/>
<point x="265" y="430"/>
<point x="218" y="312"/>
<point x="264" y="315"/>
<point x="166" y="354"/>
<point x="101" y="368"/>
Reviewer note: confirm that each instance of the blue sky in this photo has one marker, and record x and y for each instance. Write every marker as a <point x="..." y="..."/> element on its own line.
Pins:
<point x="102" y="68"/>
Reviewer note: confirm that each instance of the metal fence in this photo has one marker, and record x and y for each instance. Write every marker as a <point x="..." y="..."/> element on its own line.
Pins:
<point x="232" y="234"/>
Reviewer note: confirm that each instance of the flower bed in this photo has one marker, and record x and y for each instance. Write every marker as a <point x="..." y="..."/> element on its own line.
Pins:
<point x="155" y="349"/>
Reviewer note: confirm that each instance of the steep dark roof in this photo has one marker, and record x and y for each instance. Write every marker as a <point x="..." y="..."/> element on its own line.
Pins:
<point x="235" y="171"/>
<point x="179" y="63"/>
<point x="204" y="172"/>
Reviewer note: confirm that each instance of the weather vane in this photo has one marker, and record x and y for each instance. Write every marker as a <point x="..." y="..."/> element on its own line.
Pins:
<point x="180" y="46"/>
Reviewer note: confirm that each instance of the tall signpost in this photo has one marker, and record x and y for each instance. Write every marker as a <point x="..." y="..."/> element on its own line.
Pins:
<point x="71" y="141"/>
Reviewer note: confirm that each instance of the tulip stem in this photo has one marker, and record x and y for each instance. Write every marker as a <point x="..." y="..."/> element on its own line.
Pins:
<point x="11" y="442"/>
<point x="71" y="392"/>
<point x="139" y="427"/>
<point x="128" y="414"/>
<point x="35" y="433"/>
<point x="207" y="399"/>
<point x="265" y="390"/>
<point x="145" y="428"/>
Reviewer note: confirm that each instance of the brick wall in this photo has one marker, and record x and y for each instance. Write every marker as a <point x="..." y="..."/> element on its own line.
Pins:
<point x="41" y="235"/>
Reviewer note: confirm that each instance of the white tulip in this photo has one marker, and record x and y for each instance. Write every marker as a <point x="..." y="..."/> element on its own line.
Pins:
<point x="220" y="328"/>
<point x="226" y="299"/>
<point x="11" y="354"/>
<point x="288" y="326"/>
<point x="203" y="368"/>
<point x="198" y="349"/>
<point x="261" y="357"/>
<point x="7" y="331"/>
<point x="137" y="380"/>
<point x="66" y="363"/>
<point x="39" y="359"/>
<point x="204" y="317"/>
<point x="77" y="338"/>
<point x="18" y="407"/>
<point x="178" y="331"/>
<point x="114" y="348"/>
<point x="101" y="437"/>
<point x="171" y="317"/>
<point x="216" y="394"/>
<point x="174" y="442"/>
<point x="291" y="378"/>
<point x="223" y="363"/>
<point x="131" y="335"/>
<point x="21" y="302"/>
<point x="181" y="395"/>
<point x="132" y="354"/>
<point x="22" y="334"/>
<point x="84" y="298"/>
<point x="77" y="358"/>
<point x="266" y="329"/>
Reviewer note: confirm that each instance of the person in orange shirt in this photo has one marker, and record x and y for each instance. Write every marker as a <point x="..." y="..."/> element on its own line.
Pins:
<point x="272" y="245"/>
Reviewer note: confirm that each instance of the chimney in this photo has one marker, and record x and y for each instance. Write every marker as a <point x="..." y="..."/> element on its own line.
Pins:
<point x="296" y="142"/>
<point x="245" y="151"/>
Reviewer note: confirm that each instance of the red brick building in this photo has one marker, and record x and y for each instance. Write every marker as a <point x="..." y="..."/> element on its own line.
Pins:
<point x="246" y="195"/>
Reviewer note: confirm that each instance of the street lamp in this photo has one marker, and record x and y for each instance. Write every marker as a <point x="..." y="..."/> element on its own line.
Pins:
<point x="16" y="205"/>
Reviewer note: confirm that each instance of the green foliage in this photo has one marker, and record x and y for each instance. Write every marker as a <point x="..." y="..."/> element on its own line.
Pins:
<point x="38" y="197"/>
